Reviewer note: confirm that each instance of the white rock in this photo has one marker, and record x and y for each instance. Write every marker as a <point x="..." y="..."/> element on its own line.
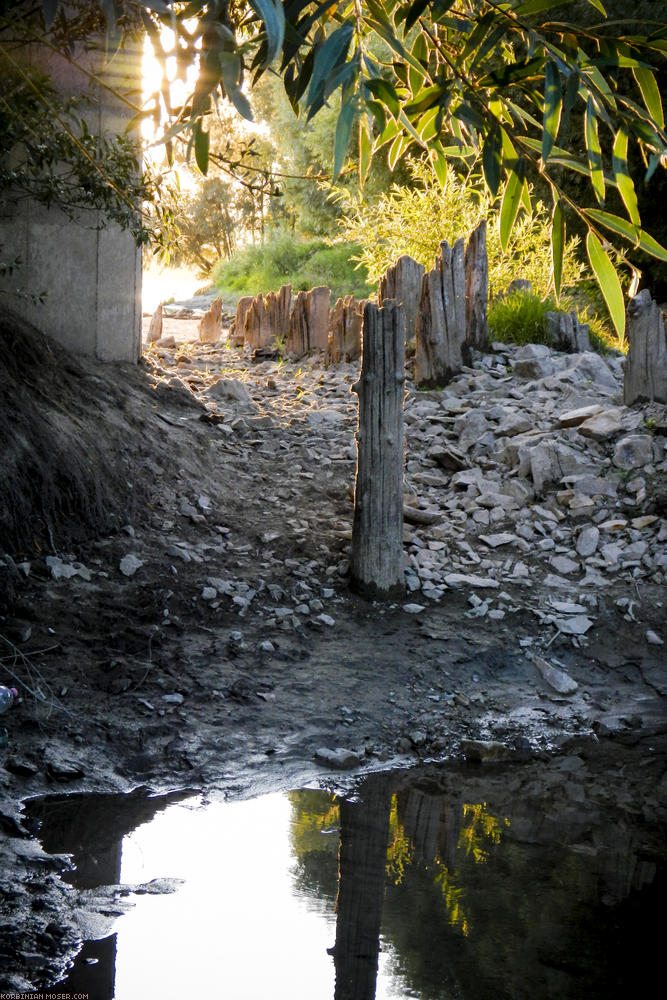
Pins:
<point x="495" y="541"/>
<point x="555" y="678"/>
<point x="462" y="580"/>
<point x="653" y="638"/>
<point x="325" y="620"/>
<point x="572" y="418"/>
<point x="129" y="564"/>
<point x="577" y="625"/>
<point x="564" y="565"/>
<point x="413" y="609"/>
<point x="633" y="451"/>
<point x="209" y="593"/>
<point x="587" y="541"/>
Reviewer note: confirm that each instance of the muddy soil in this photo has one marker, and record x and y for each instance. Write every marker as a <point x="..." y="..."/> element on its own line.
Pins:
<point x="131" y="674"/>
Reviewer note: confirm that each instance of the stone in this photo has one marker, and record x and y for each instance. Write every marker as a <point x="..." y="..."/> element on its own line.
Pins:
<point x="587" y="541"/>
<point x="175" y="698"/>
<point x="564" y="565"/>
<point x="230" y="390"/>
<point x="603" y="425"/>
<point x="555" y="678"/>
<point x="448" y="458"/>
<point x="633" y="451"/>
<point x="59" y="569"/>
<point x="551" y="461"/>
<point x="653" y="638"/>
<point x="413" y="609"/>
<point x="572" y="418"/>
<point x="209" y="593"/>
<point x="497" y="540"/>
<point x="129" y="564"/>
<point x="590" y="367"/>
<point x="486" y="750"/>
<point x="577" y="625"/>
<point x="210" y="325"/>
<point x="339" y="758"/>
<point x="456" y="580"/>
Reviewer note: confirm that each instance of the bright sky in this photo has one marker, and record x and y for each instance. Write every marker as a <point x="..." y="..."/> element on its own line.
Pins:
<point x="237" y="929"/>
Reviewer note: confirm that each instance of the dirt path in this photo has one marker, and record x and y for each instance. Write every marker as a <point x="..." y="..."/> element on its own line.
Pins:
<point x="214" y="642"/>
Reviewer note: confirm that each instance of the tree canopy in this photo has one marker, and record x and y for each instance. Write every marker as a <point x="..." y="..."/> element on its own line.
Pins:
<point x="500" y="79"/>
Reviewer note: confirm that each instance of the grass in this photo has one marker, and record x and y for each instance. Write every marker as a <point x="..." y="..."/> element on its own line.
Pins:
<point x="288" y="260"/>
<point x="519" y="319"/>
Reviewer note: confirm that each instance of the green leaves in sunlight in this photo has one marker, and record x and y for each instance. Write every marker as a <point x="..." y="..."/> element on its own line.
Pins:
<point x="594" y="151"/>
<point x="608" y="280"/>
<point x="557" y="246"/>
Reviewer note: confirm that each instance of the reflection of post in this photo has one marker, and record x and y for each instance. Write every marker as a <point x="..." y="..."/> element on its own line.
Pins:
<point x="362" y="860"/>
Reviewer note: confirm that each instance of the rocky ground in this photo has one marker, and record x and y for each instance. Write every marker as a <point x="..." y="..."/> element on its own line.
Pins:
<point x="214" y="641"/>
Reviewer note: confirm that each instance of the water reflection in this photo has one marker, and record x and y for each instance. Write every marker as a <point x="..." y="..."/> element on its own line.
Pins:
<point x="536" y="881"/>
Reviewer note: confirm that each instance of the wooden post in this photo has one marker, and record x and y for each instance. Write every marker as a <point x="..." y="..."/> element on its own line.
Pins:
<point x="566" y="333"/>
<point x="377" y="533"/>
<point x="237" y="329"/>
<point x="646" y="363"/>
<point x="403" y="281"/>
<point x="345" y="322"/>
<point x="441" y="324"/>
<point x="477" y="289"/>
<point x="309" y="323"/>
<point x="267" y="319"/>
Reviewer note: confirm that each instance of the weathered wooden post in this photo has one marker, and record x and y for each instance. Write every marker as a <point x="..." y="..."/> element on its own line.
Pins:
<point x="477" y="289"/>
<point x="403" y="281"/>
<point x="566" y="333"/>
<point x="442" y="349"/>
<point x="646" y="363"/>
<point x="309" y="323"/>
<point x="377" y="532"/>
<point x="345" y="321"/>
<point x="237" y="329"/>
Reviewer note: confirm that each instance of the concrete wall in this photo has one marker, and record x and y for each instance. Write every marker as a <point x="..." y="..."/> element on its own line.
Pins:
<point x="92" y="275"/>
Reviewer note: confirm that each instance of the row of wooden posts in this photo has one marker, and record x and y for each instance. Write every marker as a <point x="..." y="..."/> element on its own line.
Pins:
<point x="444" y="312"/>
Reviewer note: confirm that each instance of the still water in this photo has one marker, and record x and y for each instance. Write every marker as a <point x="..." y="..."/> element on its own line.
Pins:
<point x="542" y="880"/>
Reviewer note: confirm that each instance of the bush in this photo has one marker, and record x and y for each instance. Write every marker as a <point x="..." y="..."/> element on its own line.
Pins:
<point x="519" y="319"/>
<point x="288" y="260"/>
<point x="415" y="220"/>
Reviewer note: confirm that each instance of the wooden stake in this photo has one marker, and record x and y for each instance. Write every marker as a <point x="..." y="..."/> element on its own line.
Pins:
<point x="377" y="533"/>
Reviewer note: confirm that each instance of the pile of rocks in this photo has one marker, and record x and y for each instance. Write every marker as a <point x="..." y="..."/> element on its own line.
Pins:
<point x="528" y="483"/>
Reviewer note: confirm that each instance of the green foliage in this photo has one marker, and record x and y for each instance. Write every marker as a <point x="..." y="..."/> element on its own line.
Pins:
<point x="285" y="260"/>
<point x="518" y="318"/>
<point x="416" y="219"/>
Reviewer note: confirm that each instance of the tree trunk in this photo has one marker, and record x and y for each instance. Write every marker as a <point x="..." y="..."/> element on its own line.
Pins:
<point x="441" y="325"/>
<point x="345" y="322"/>
<point x="377" y="534"/>
<point x="646" y="363"/>
<point x="402" y="282"/>
<point x="477" y="289"/>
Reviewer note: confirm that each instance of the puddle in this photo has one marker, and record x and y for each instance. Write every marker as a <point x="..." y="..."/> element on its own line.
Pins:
<point x="543" y="880"/>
